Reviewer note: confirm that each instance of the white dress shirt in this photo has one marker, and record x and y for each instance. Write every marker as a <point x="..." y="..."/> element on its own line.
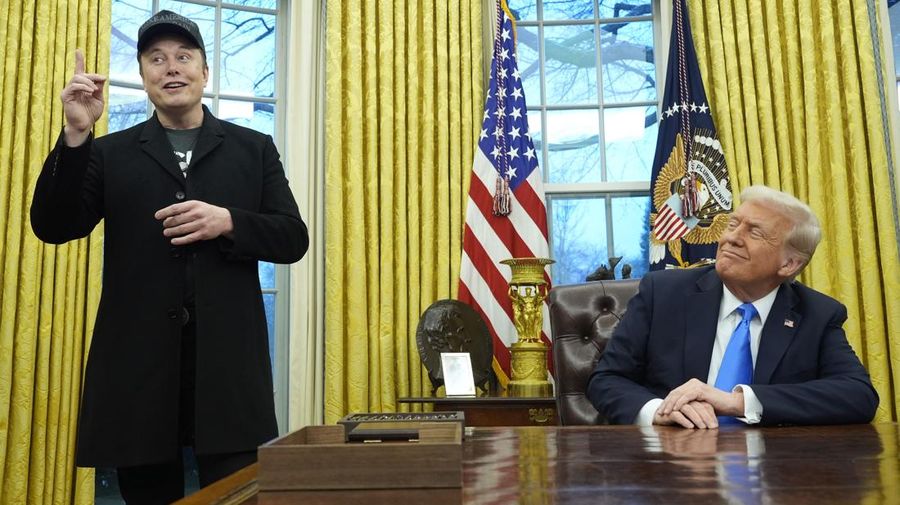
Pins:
<point x="729" y="318"/>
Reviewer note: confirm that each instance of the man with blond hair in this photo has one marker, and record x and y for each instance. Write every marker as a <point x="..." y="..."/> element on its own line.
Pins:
<point x="738" y="342"/>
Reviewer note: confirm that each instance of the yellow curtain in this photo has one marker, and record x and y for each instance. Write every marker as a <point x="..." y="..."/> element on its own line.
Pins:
<point x="48" y="294"/>
<point x="798" y="103"/>
<point x="404" y="92"/>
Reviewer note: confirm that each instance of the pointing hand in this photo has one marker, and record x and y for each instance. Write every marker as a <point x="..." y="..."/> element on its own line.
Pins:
<point x="83" y="103"/>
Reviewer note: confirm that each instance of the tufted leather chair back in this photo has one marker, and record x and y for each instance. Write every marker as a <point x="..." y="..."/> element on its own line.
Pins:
<point x="582" y="319"/>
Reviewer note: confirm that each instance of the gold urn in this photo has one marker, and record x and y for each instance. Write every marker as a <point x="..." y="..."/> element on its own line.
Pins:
<point x="528" y="290"/>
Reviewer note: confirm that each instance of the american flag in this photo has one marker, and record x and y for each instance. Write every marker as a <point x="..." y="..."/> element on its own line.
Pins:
<point x="505" y="215"/>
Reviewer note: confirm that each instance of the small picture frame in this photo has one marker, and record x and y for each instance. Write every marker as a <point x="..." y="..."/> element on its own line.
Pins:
<point x="458" y="378"/>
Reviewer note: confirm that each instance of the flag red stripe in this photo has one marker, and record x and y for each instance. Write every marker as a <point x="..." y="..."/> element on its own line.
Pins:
<point x="502" y="226"/>
<point x="488" y="270"/>
<point x="676" y="230"/>
<point x="501" y="352"/>
<point x="533" y="206"/>
<point x="669" y="225"/>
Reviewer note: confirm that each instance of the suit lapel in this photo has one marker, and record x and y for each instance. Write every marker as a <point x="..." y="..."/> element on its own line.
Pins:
<point x="700" y="325"/>
<point x="155" y="143"/>
<point x="211" y="135"/>
<point x="779" y="330"/>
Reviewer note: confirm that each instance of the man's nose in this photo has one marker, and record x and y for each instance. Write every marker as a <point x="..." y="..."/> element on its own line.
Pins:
<point x="733" y="235"/>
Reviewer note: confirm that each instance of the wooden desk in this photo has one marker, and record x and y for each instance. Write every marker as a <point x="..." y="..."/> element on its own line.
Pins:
<point x="626" y="464"/>
<point x="496" y="410"/>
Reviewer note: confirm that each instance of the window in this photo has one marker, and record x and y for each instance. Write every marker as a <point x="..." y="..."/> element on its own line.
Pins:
<point x="242" y="40"/>
<point x="592" y="115"/>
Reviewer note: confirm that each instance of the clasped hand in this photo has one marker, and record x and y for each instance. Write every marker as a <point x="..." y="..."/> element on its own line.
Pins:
<point x="696" y="404"/>
<point x="193" y="221"/>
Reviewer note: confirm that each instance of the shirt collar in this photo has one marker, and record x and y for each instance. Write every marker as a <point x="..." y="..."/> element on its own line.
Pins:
<point x="730" y="303"/>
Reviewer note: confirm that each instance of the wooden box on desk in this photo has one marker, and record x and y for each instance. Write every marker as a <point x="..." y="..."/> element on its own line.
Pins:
<point x="317" y="458"/>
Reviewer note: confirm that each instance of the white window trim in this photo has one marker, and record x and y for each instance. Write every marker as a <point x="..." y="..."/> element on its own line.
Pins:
<point x="304" y="122"/>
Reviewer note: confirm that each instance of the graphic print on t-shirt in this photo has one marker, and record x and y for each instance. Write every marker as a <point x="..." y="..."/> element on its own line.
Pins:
<point x="184" y="160"/>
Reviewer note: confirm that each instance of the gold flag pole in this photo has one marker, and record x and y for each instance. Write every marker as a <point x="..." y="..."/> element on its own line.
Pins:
<point x="527" y="290"/>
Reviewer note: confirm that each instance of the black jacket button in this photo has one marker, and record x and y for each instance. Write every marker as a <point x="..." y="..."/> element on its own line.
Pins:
<point x="179" y="195"/>
<point x="175" y="252"/>
<point x="173" y="314"/>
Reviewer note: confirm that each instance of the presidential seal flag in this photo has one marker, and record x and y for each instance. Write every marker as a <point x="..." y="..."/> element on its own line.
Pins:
<point x="691" y="193"/>
<point x="505" y="214"/>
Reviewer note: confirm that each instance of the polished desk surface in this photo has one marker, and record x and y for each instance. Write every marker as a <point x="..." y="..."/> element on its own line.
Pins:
<point x="627" y="464"/>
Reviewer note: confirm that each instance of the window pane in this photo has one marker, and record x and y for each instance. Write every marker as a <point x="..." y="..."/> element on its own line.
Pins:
<point x="568" y="9"/>
<point x="127" y="17"/>
<point x="529" y="66"/>
<point x="574" y="148"/>
<point x="630" y="142"/>
<point x="626" y="52"/>
<point x="571" y="64"/>
<point x="127" y="107"/>
<point x="256" y="115"/>
<point x="631" y="232"/>
<point x="620" y="9"/>
<point x="205" y="17"/>
<point x="523" y="9"/>
<point x="106" y="487"/>
<point x="535" y="131"/>
<point x="269" y="302"/>
<point x="265" y="4"/>
<point x="267" y="275"/>
<point x="578" y="239"/>
<point x="248" y="53"/>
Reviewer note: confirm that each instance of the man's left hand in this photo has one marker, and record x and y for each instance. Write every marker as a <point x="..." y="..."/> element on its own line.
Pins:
<point x="724" y="403"/>
<point x="193" y="221"/>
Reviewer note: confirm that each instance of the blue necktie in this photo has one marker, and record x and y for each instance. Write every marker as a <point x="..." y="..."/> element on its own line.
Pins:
<point x="737" y="364"/>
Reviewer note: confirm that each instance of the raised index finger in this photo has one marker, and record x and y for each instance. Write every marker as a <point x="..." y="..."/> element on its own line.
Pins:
<point x="79" y="62"/>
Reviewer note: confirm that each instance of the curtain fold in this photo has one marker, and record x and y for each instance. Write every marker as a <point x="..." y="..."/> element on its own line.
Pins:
<point x="304" y="161"/>
<point x="404" y="89"/>
<point x="795" y="89"/>
<point x="48" y="294"/>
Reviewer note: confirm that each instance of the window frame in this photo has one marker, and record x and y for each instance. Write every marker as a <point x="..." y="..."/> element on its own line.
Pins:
<point x="607" y="190"/>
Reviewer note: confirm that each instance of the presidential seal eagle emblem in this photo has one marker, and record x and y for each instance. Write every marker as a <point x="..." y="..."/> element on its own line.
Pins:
<point x="706" y="176"/>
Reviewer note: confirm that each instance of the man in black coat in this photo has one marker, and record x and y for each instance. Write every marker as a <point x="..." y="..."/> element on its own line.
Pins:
<point x="179" y="355"/>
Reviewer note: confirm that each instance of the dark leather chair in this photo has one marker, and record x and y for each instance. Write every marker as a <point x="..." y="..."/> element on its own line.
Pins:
<point x="582" y="319"/>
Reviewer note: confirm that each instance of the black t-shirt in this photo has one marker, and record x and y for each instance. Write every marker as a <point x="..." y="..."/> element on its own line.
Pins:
<point x="183" y="142"/>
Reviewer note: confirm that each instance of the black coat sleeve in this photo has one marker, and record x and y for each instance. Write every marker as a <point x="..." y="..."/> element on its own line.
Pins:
<point x="68" y="196"/>
<point x="275" y="233"/>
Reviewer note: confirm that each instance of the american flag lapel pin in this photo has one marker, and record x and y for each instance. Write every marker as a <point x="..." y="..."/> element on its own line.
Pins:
<point x="789" y="323"/>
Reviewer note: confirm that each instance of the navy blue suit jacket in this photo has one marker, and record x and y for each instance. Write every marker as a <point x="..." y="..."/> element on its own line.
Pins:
<point x="805" y="373"/>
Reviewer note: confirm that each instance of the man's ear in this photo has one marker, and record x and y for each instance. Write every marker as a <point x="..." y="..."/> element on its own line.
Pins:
<point x="791" y="266"/>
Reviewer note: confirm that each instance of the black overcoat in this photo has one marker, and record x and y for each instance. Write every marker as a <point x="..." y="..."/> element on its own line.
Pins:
<point x="129" y="408"/>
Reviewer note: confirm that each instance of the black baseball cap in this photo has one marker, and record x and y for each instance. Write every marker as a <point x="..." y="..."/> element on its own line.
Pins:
<point x="169" y="22"/>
